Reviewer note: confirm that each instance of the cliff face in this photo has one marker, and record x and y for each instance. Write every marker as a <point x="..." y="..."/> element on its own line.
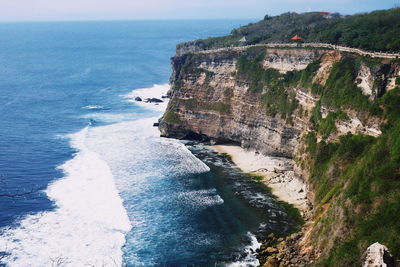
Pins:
<point x="212" y="101"/>
<point x="321" y="108"/>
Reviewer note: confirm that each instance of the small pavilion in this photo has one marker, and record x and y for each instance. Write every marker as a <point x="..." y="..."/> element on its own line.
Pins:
<point x="297" y="39"/>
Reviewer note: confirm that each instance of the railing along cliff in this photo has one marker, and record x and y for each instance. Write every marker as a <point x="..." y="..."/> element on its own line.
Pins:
<point x="303" y="45"/>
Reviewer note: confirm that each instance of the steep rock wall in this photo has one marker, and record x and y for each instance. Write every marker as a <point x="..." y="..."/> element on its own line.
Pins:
<point x="216" y="105"/>
<point x="210" y="101"/>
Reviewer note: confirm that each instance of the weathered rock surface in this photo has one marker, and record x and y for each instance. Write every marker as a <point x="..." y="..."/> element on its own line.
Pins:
<point x="286" y="60"/>
<point x="327" y="62"/>
<point x="244" y="121"/>
<point x="365" y="80"/>
<point x="377" y="255"/>
<point x="211" y="103"/>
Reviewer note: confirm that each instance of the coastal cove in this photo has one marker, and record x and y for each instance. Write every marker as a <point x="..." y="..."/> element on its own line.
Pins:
<point x="288" y="188"/>
<point x="106" y="188"/>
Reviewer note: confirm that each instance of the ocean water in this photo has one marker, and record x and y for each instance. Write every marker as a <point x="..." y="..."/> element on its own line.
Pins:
<point x="85" y="178"/>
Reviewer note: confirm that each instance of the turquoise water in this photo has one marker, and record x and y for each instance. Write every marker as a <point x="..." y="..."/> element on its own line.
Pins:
<point x="95" y="183"/>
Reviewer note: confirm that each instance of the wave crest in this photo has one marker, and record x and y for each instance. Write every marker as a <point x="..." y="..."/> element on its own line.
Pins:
<point x="87" y="227"/>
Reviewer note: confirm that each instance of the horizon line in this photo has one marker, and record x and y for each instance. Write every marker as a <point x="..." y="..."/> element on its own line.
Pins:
<point x="170" y="19"/>
<point x="121" y="20"/>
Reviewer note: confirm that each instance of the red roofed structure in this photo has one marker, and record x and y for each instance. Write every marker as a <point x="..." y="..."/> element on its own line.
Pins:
<point x="296" y="38"/>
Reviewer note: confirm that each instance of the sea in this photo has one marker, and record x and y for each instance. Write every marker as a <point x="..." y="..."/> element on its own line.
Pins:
<point x="85" y="178"/>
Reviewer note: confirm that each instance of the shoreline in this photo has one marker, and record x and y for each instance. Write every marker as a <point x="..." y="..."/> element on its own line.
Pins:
<point x="277" y="173"/>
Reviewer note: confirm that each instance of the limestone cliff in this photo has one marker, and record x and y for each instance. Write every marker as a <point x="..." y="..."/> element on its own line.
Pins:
<point x="211" y="101"/>
<point x="309" y="105"/>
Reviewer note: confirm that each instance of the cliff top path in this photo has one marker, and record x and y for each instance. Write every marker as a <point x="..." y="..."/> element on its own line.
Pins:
<point x="294" y="45"/>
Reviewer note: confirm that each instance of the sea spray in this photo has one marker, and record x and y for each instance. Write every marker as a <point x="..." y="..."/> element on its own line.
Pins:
<point x="87" y="227"/>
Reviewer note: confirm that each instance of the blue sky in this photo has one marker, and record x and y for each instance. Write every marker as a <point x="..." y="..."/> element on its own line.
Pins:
<point x="44" y="10"/>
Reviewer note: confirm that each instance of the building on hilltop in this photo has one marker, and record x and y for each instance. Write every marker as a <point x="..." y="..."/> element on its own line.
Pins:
<point x="329" y="15"/>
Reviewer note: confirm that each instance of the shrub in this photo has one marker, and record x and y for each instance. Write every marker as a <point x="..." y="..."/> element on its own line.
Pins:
<point x="171" y="117"/>
<point x="328" y="125"/>
<point x="316" y="113"/>
<point x="220" y="107"/>
<point x="340" y="90"/>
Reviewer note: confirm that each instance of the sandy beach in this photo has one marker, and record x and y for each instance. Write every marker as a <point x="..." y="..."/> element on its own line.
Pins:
<point x="277" y="172"/>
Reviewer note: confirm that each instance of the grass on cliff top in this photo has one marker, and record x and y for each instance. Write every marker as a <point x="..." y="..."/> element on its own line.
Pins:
<point x="359" y="175"/>
<point x="375" y="31"/>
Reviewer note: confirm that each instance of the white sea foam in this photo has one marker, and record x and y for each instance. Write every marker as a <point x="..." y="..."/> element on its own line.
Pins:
<point x="157" y="91"/>
<point x="93" y="107"/>
<point x="87" y="227"/>
<point x="89" y="224"/>
<point x="250" y="259"/>
<point x="201" y="199"/>
<point x="128" y="143"/>
<point x="110" y="117"/>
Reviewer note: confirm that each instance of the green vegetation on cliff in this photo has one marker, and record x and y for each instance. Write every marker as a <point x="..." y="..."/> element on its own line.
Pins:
<point x="171" y="117"/>
<point x="328" y="124"/>
<point x="273" y="86"/>
<point x="220" y="107"/>
<point x="356" y="179"/>
<point x="375" y="31"/>
<point x="361" y="174"/>
<point x="340" y="90"/>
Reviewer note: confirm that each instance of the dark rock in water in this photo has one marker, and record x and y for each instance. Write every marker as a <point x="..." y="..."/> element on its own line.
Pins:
<point x="156" y="124"/>
<point x="154" y="100"/>
<point x="138" y="99"/>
